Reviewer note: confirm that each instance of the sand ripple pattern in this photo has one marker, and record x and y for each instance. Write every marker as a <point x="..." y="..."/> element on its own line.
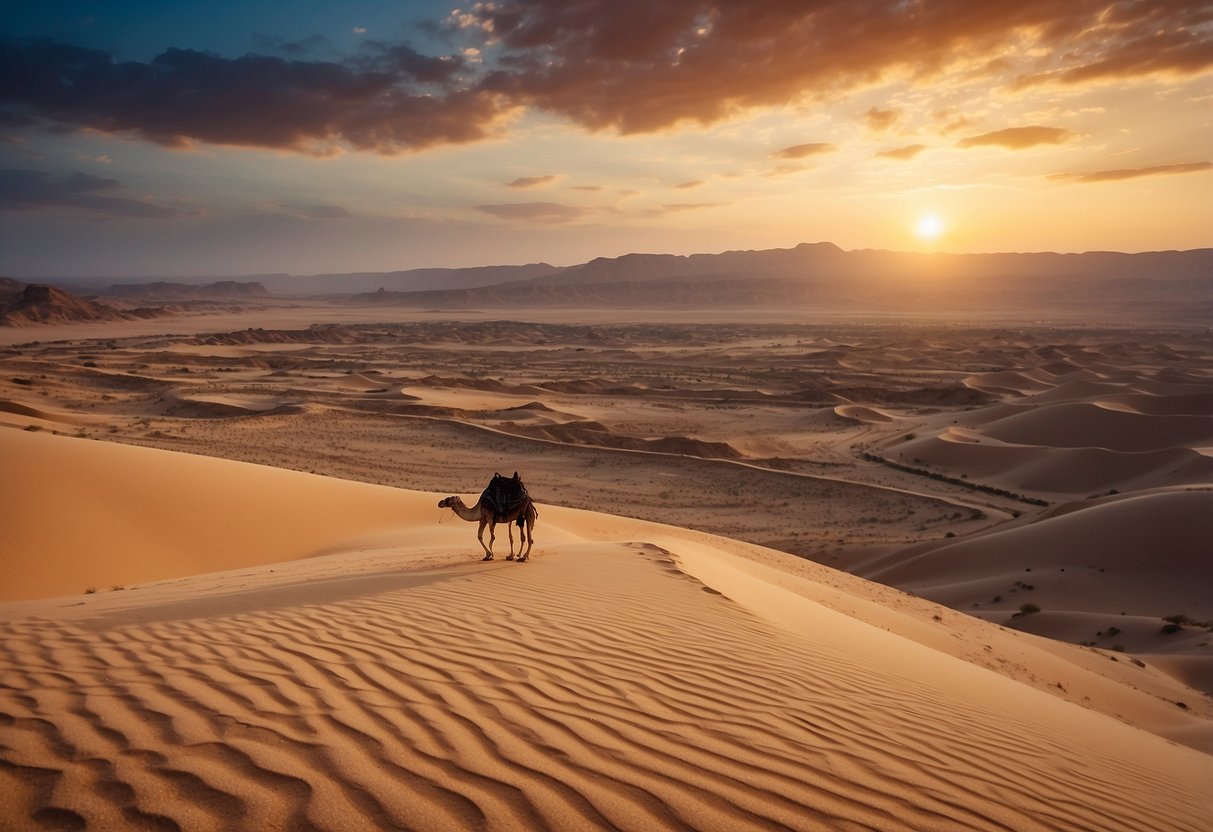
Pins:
<point x="597" y="688"/>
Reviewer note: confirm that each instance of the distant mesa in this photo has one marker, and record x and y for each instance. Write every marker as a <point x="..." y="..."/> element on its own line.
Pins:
<point x="37" y="303"/>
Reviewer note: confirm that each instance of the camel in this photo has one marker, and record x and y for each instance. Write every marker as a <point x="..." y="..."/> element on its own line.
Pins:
<point x="524" y="514"/>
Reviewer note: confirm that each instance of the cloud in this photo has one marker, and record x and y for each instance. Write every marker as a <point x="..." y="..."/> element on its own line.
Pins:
<point x="630" y="66"/>
<point x="28" y="190"/>
<point x="1133" y="173"/>
<point x="677" y="207"/>
<point x="534" y="211"/>
<point x="800" y="151"/>
<point x="314" y="211"/>
<point x="686" y="186"/>
<point x="377" y="102"/>
<point x="637" y="66"/>
<point x="1019" y="138"/>
<point x="907" y="152"/>
<point x="293" y="48"/>
<point x="881" y="119"/>
<point x="532" y="181"/>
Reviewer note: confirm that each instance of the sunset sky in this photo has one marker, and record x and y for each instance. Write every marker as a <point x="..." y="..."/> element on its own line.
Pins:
<point x="211" y="138"/>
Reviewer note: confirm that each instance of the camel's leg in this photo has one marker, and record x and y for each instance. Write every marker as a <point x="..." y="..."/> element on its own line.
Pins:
<point x="510" y="528"/>
<point x="488" y="550"/>
<point x="528" y="536"/>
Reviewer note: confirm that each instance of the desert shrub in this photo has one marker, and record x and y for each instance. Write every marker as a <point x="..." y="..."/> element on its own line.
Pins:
<point x="1028" y="609"/>
<point x="1172" y="628"/>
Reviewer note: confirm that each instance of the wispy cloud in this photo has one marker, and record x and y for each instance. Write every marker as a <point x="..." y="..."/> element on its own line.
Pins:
<point x="28" y="190"/>
<point x="1133" y="173"/>
<point x="1019" y="138"/>
<point x="677" y="207"/>
<point x="907" y="152"/>
<point x="533" y="181"/>
<point x="314" y="211"/>
<point x="546" y="212"/>
<point x="686" y="186"/>
<point x="802" y="151"/>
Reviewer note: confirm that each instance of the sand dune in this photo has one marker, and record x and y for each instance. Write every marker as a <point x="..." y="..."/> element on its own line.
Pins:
<point x="1085" y="425"/>
<point x="1144" y="554"/>
<point x="22" y="413"/>
<point x="632" y="676"/>
<point x="859" y="413"/>
<point x="132" y="515"/>
<point x="1057" y="471"/>
<point x="221" y="406"/>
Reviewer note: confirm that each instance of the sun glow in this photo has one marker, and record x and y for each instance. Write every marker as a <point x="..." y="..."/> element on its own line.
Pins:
<point x="929" y="227"/>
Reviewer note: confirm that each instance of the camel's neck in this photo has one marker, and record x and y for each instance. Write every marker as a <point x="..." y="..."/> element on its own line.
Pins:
<point x="470" y="513"/>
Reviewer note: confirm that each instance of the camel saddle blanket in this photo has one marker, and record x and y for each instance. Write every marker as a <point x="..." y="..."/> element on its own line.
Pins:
<point x="504" y="495"/>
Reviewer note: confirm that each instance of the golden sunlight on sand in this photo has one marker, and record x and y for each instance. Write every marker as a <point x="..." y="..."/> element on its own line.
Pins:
<point x="346" y="663"/>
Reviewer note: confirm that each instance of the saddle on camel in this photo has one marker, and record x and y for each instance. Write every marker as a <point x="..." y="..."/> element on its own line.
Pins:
<point x="505" y="500"/>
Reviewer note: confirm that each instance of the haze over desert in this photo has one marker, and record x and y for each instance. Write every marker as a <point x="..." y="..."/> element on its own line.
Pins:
<point x="847" y="368"/>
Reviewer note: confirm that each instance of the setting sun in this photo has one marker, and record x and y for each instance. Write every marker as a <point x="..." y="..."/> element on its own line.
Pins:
<point x="929" y="227"/>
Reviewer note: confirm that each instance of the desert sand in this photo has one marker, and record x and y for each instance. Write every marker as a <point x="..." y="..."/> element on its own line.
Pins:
<point x="778" y="577"/>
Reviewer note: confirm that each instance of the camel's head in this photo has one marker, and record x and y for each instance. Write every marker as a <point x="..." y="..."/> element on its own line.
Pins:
<point x="448" y="502"/>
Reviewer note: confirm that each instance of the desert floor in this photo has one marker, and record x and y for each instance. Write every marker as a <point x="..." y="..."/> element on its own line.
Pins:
<point x="194" y="642"/>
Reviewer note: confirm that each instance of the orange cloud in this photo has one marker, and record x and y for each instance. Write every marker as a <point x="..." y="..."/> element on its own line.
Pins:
<point x="675" y="207"/>
<point x="1019" y="138"/>
<point x="637" y="66"/>
<point x="532" y="181"/>
<point x="881" y="119"/>
<point x="686" y="186"/>
<point x="907" y="152"/>
<point x="800" y="151"/>
<point x="1133" y="173"/>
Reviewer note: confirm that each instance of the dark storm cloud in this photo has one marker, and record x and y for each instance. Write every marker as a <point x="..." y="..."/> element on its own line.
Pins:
<point x="24" y="190"/>
<point x="627" y="65"/>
